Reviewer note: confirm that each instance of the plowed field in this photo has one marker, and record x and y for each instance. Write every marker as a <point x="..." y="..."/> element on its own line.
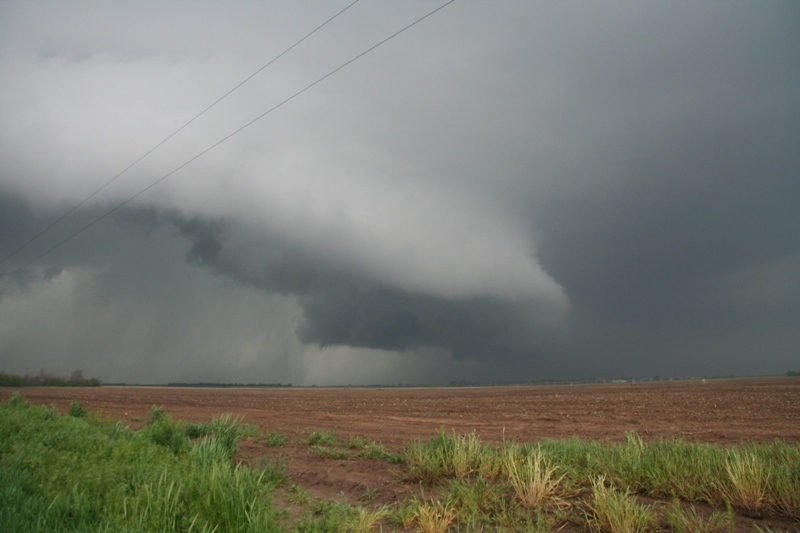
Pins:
<point x="726" y="411"/>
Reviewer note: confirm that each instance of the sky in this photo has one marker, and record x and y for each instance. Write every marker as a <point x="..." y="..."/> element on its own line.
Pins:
<point x="505" y="191"/>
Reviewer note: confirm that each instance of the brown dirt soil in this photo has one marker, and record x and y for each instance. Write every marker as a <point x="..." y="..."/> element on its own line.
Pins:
<point x="725" y="412"/>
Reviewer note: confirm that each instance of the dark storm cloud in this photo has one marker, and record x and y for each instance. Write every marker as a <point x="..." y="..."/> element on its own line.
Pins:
<point x="17" y="223"/>
<point x="391" y="320"/>
<point x="342" y="310"/>
<point x="511" y="190"/>
<point x="119" y="303"/>
<point x="650" y="268"/>
<point x="256" y="258"/>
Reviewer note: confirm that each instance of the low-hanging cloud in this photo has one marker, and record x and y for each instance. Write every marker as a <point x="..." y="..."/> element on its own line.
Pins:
<point x="343" y="308"/>
<point x="411" y="240"/>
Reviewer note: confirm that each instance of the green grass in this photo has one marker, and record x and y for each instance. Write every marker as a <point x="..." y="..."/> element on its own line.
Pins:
<point x="364" y="520"/>
<point x="274" y="439"/>
<point x="324" y="438"/>
<point x="66" y="473"/>
<point x="688" y="520"/>
<point x="329" y="452"/>
<point x="80" y="473"/>
<point x="327" y="445"/>
<point x="373" y="450"/>
<point x="76" y="410"/>
<point x="447" y="455"/>
<point x="434" y="516"/>
<point x="535" y="481"/>
<point x="756" y="480"/>
<point x="614" y="511"/>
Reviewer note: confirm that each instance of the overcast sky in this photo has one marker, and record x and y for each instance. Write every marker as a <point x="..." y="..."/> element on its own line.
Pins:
<point x="505" y="191"/>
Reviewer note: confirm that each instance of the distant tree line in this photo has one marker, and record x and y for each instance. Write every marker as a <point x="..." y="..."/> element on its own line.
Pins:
<point x="44" y="379"/>
<point x="793" y="373"/>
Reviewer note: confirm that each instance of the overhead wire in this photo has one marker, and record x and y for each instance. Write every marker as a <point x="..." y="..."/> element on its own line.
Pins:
<point x="222" y="140"/>
<point x="170" y="136"/>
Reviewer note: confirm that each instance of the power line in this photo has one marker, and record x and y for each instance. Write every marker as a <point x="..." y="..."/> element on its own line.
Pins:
<point x="224" y="139"/>
<point x="171" y="135"/>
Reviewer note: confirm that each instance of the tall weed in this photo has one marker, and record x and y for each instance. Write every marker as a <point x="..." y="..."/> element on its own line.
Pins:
<point x="434" y="516"/>
<point x="363" y="520"/>
<point x="747" y="483"/>
<point x="533" y="478"/>
<point x="688" y="520"/>
<point x="612" y="511"/>
<point x="450" y="455"/>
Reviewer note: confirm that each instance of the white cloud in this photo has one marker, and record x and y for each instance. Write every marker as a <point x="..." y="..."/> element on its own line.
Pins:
<point x="73" y="123"/>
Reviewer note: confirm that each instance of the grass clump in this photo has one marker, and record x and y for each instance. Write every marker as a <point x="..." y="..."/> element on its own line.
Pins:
<point x="404" y="515"/>
<point x="433" y="516"/>
<point x="298" y="495"/>
<point x="328" y="452"/>
<point x="533" y="478"/>
<point x="324" y="438"/>
<point x="229" y="430"/>
<point x="447" y="455"/>
<point x="368" y="495"/>
<point x="478" y="503"/>
<point x="329" y="446"/>
<point x="163" y="431"/>
<point x="324" y="516"/>
<point x="783" y="486"/>
<point x="357" y="442"/>
<point x="76" y="410"/>
<point x="747" y="482"/>
<point x="274" y="439"/>
<point x="364" y="520"/>
<point x="688" y="520"/>
<point x="612" y="511"/>
<point x="374" y="450"/>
